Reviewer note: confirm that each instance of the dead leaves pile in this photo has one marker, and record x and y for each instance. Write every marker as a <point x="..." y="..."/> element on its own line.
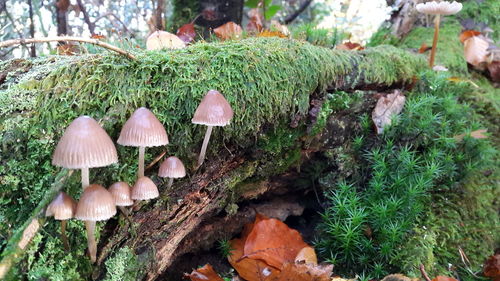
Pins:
<point x="271" y="251"/>
<point x="481" y="53"/>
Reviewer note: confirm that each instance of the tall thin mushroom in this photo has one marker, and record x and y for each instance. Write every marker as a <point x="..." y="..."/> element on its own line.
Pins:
<point x="142" y="130"/>
<point x="438" y="8"/>
<point x="85" y="145"/>
<point x="63" y="208"/>
<point x="96" y="204"/>
<point x="214" y="110"/>
<point x="172" y="168"/>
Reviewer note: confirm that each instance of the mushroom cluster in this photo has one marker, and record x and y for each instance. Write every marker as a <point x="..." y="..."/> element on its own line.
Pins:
<point x="85" y="144"/>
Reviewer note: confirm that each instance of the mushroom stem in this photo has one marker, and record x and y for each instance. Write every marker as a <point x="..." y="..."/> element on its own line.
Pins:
<point x="435" y="40"/>
<point x="170" y="182"/>
<point x="204" y="146"/>
<point x="85" y="178"/>
<point x="125" y="213"/>
<point x="90" y="226"/>
<point x="140" y="172"/>
<point x="64" y="238"/>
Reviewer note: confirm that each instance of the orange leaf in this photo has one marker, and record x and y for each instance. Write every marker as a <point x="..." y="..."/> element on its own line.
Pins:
<point x="249" y="269"/>
<point x="492" y="267"/>
<point x="423" y="48"/>
<point x="186" y="33"/>
<point x="205" y="273"/>
<point x="303" y="272"/>
<point x="229" y="30"/>
<point x="350" y="46"/>
<point x="386" y="107"/>
<point x="307" y="255"/>
<point x="444" y="278"/>
<point x="466" y="34"/>
<point x="475" y="50"/>
<point x="273" y="242"/>
<point x="98" y="36"/>
<point x="268" y="33"/>
<point x="477" y="134"/>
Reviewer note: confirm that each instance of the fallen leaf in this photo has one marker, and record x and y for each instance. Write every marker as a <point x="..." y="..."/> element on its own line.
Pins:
<point x="386" y="107"/>
<point x="249" y="269"/>
<point x="186" y="33"/>
<point x="205" y="273"/>
<point x="423" y="48"/>
<point x="303" y="272"/>
<point x="477" y="134"/>
<point x="466" y="34"/>
<point x="492" y="267"/>
<point x="458" y="80"/>
<point x="98" y="36"/>
<point x="349" y="46"/>
<point x="164" y="40"/>
<point x="475" y="50"/>
<point x="69" y="49"/>
<point x="273" y="242"/>
<point x="229" y="30"/>
<point x="268" y="33"/>
<point x="307" y="255"/>
<point x="444" y="278"/>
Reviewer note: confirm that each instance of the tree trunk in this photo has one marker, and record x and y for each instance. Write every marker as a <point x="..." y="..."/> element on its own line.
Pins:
<point x="62" y="16"/>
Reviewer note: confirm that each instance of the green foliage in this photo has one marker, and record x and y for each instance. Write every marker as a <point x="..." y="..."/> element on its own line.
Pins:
<point x="122" y="266"/>
<point x="368" y="220"/>
<point x="225" y="248"/>
<point x="317" y="36"/>
<point x="267" y="5"/>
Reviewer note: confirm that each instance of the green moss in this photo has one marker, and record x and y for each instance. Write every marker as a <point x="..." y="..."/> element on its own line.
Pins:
<point x="483" y="12"/>
<point x="122" y="266"/>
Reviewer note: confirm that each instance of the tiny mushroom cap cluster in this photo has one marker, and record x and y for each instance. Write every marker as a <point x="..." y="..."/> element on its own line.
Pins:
<point x="214" y="110"/>
<point x="164" y="40"/>
<point x="172" y="168"/>
<point x="438" y="8"/>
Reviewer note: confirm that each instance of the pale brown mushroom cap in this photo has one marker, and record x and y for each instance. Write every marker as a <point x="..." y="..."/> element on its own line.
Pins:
<point x="96" y="204"/>
<point x="439" y="8"/>
<point x="172" y="167"/>
<point x="63" y="207"/>
<point x="164" y="40"/>
<point x="214" y="110"/>
<point x="121" y="193"/>
<point x="143" y="129"/>
<point x="144" y="189"/>
<point x="84" y="144"/>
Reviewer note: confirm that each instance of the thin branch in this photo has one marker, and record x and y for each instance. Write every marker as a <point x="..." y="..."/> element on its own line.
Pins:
<point x="67" y="38"/>
<point x="86" y="17"/>
<point x="297" y="13"/>
<point x="32" y="28"/>
<point x="117" y="18"/>
<point x="15" y="27"/>
<point x="424" y="274"/>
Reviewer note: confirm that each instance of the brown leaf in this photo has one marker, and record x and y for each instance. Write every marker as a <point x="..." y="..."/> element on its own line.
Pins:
<point x="303" y="272"/>
<point x="475" y="50"/>
<point x="307" y="255"/>
<point x="386" y="107"/>
<point x="255" y="23"/>
<point x="444" y="278"/>
<point x="349" y="46"/>
<point x="186" y="33"/>
<point x="229" y="30"/>
<point x="98" y="36"/>
<point x="69" y="49"/>
<point x="273" y="242"/>
<point x="424" y="48"/>
<point x="205" y="273"/>
<point x="466" y="34"/>
<point x="477" y="134"/>
<point x="492" y="267"/>
<point x="249" y="269"/>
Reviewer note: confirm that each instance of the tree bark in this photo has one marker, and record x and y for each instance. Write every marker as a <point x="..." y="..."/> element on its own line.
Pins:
<point x="62" y="16"/>
<point x="32" y="29"/>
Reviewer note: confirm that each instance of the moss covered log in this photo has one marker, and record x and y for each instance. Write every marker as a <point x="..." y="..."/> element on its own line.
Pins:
<point x="268" y="82"/>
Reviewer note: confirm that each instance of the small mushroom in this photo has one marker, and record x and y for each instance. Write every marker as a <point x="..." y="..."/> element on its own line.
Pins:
<point x="143" y="130"/>
<point x="121" y="194"/>
<point x="144" y="189"/>
<point x="164" y="40"/>
<point x="214" y="110"/>
<point x="96" y="204"/>
<point x="172" y="168"/>
<point x="438" y="8"/>
<point x="63" y="208"/>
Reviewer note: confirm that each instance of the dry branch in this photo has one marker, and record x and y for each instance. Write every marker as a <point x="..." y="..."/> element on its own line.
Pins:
<point x="66" y="38"/>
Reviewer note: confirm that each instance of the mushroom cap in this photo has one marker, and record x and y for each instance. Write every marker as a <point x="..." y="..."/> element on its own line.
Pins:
<point x="439" y="8"/>
<point x="144" y="189"/>
<point x="63" y="207"/>
<point x="172" y="167"/>
<point x="143" y="129"/>
<point x="96" y="204"/>
<point x="84" y="144"/>
<point x="121" y="193"/>
<point x="162" y="39"/>
<point x="214" y="110"/>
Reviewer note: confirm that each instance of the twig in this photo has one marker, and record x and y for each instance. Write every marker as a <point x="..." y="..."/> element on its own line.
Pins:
<point x="86" y="17"/>
<point x="297" y="13"/>
<point x="158" y="158"/>
<point x="424" y="274"/>
<point x="67" y="38"/>
<point x="117" y="18"/>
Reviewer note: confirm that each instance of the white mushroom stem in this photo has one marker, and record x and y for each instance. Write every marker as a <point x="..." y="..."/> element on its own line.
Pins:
<point x="90" y="226"/>
<point x="170" y="182"/>
<point x="204" y="146"/>
<point x="435" y="40"/>
<point x="140" y="172"/>
<point x="63" y="235"/>
<point x="85" y="178"/>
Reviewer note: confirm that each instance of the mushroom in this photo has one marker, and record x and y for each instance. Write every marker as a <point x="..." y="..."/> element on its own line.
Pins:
<point x="142" y="130"/>
<point x="214" y="110"/>
<point x="172" y="168"/>
<point x="121" y="194"/>
<point x="144" y="189"/>
<point x="96" y="204"/>
<point x="162" y="39"/>
<point x="63" y="208"/>
<point x="85" y="145"/>
<point x="438" y="8"/>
